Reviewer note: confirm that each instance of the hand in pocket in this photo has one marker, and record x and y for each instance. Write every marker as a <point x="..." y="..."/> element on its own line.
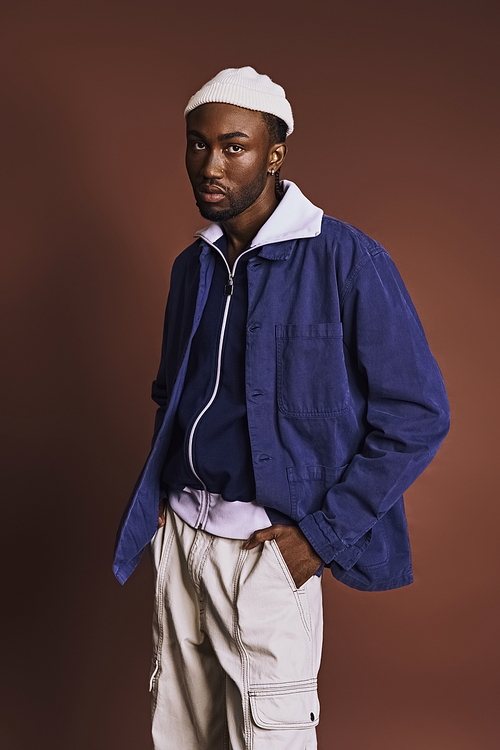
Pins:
<point x="301" y="559"/>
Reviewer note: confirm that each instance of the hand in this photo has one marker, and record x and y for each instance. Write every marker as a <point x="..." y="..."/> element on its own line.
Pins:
<point x="161" y="512"/>
<point x="301" y="559"/>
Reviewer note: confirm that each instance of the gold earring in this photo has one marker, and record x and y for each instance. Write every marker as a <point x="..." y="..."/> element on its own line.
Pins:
<point x="272" y="171"/>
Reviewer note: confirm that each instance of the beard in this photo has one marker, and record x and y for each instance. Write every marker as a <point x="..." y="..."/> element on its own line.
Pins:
<point x="238" y="202"/>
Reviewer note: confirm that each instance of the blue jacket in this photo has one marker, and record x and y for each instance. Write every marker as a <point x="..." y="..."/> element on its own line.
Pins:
<point x="346" y="405"/>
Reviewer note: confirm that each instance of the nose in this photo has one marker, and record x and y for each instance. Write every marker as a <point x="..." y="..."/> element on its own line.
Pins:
<point x="213" y="165"/>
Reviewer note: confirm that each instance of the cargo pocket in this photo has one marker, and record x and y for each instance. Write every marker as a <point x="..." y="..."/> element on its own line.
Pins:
<point x="290" y="705"/>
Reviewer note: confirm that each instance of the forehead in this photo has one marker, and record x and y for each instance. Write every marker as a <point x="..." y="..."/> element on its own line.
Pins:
<point x="215" y="119"/>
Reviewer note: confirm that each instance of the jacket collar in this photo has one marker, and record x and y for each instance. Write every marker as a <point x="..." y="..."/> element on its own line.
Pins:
<point x="295" y="217"/>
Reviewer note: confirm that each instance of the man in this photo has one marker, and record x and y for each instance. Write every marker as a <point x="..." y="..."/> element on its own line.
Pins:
<point x="298" y="400"/>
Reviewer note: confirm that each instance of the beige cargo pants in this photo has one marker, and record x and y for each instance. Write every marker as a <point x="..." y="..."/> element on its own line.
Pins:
<point x="237" y="646"/>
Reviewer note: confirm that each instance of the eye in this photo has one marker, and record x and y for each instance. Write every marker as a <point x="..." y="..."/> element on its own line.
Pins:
<point x="234" y="148"/>
<point x="198" y="146"/>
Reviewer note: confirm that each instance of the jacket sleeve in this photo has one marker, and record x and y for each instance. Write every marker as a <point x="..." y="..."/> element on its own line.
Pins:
<point x="159" y="390"/>
<point x="407" y="413"/>
<point x="179" y="313"/>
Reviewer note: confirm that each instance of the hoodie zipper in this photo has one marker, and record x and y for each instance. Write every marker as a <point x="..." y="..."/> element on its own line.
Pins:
<point x="228" y="291"/>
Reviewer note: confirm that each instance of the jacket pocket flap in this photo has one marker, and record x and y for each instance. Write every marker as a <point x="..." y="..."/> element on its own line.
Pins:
<point x="293" y="705"/>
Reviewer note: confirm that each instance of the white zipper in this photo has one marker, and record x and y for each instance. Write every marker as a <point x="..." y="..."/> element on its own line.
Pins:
<point x="230" y="284"/>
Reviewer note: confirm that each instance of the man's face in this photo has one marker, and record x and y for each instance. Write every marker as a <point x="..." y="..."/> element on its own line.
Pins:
<point x="227" y="159"/>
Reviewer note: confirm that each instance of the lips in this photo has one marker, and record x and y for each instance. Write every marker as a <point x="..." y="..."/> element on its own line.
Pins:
<point x="211" y="193"/>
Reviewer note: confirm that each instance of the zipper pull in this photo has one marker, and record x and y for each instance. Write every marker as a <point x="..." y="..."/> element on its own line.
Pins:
<point x="152" y="678"/>
<point x="228" y="289"/>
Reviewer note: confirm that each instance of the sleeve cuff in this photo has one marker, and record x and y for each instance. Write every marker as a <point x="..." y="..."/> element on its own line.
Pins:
<point x="328" y="545"/>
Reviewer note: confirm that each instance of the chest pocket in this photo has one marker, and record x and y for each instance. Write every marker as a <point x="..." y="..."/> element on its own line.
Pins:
<point x="311" y="373"/>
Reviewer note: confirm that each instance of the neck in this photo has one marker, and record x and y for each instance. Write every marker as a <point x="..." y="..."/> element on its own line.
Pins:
<point x="241" y="230"/>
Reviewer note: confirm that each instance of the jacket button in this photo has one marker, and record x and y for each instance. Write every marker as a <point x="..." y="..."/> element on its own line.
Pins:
<point x="264" y="457"/>
<point x="256" y="393"/>
<point x="254" y="326"/>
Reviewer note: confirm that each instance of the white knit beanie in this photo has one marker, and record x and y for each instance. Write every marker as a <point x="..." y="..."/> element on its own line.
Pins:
<point x="244" y="87"/>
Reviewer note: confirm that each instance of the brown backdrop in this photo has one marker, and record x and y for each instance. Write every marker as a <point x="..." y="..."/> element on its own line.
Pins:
<point x="396" y="108"/>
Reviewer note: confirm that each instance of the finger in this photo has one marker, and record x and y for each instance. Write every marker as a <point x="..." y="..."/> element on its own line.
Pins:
<point x="259" y="536"/>
<point x="161" y="512"/>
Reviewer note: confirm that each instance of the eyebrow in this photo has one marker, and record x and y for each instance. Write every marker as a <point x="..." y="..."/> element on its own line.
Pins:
<point x="222" y="137"/>
<point x="228" y="136"/>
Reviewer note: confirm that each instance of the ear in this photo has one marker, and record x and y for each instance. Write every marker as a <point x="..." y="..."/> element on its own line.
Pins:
<point x="277" y="156"/>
